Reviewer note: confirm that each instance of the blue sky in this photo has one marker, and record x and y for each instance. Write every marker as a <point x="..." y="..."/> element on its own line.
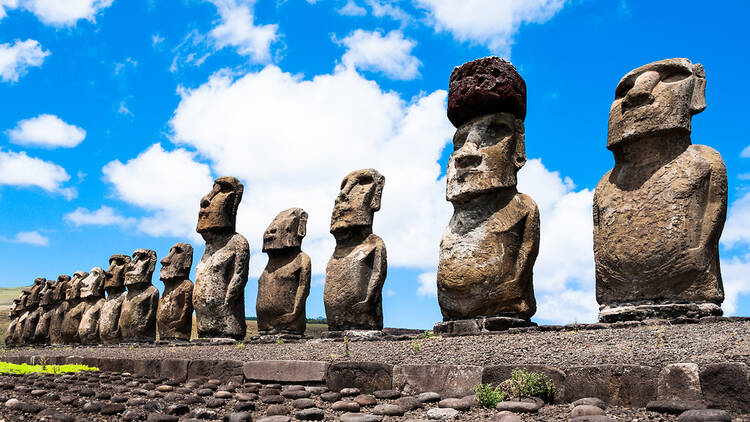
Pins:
<point x="116" y="116"/>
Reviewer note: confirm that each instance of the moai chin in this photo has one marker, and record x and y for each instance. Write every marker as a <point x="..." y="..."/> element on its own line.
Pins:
<point x="75" y="308"/>
<point x="47" y="306"/>
<point x="34" y="310"/>
<point x="221" y="274"/>
<point x="659" y="213"/>
<point x="138" y="313"/>
<point x="92" y="296"/>
<point x="114" y="285"/>
<point x="285" y="283"/>
<point x="488" y="250"/>
<point x="58" y="316"/>
<point x="356" y="272"/>
<point x="174" y="316"/>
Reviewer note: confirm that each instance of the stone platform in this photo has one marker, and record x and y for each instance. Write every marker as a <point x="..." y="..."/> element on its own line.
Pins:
<point x="646" y="311"/>
<point x="477" y="326"/>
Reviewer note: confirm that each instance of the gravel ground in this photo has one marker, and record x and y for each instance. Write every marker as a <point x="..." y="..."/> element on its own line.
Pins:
<point x="651" y="345"/>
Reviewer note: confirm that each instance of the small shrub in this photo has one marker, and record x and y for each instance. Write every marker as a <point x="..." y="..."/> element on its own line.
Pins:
<point x="427" y="334"/>
<point x="346" y="346"/>
<point x="11" y="368"/>
<point x="488" y="396"/>
<point x="529" y="384"/>
<point x="279" y="341"/>
<point x="416" y="345"/>
<point x="240" y="346"/>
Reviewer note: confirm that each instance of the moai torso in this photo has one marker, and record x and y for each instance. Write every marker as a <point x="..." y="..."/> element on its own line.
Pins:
<point x="138" y="312"/>
<point x="18" y="334"/>
<point x="174" y="317"/>
<point x="114" y="286"/>
<point x="92" y="294"/>
<point x="75" y="309"/>
<point x="58" y="311"/>
<point x="35" y="311"/>
<point x="47" y="305"/>
<point x="10" y="337"/>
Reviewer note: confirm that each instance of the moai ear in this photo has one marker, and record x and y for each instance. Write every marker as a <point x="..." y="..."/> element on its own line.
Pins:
<point x="520" y="154"/>
<point x="698" y="100"/>
<point x="302" y="225"/>
<point x="377" y="193"/>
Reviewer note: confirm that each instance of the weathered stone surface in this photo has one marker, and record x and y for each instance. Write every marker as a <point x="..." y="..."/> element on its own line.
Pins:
<point x="674" y="407"/>
<point x="174" y="315"/>
<point x="366" y="376"/>
<point x="659" y="213"/>
<point x="447" y="380"/>
<point x="47" y="304"/>
<point x="499" y="373"/>
<point x="488" y="250"/>
<point x="311" y="414"/>
<point x="586" y="410"/>
<point x="114" y="285"/>
<point x="506" y="416"/>
<point x="388" y="410"/>
<point x="624" y="385"/>
<point x="428" y="397"/>
<point x="727" y="385"/>
<point x="286" y="370"/>
<point x="364" y="399"/>
<point x="224" y="370"/>
<point x="591" y="401"/>
<point x="409" y="403"/>
<point x="455" y="403"/>
<point x="221" y="274"/>
<point x="519" y="406"/>
<point x="174" y="369"/>
<point x="442" y="414"/>
<point x="345" y="406"/>
<point x="356" y="272"/>
<point x="138" y="312"/>
<point x="359" y="417"/>
<point x="705" y="415"/>
<point x="285" y="283"/>
<point x="679" y="381"/>
<point x="74" y="308"/>
<point x="92" y="294"/>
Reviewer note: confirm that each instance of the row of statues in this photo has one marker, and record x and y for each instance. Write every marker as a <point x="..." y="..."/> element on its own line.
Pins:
<point x="658" y="216"/>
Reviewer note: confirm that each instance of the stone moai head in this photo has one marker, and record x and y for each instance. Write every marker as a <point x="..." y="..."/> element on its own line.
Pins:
<point x="140" y="269"/>
<point x="656" y="99"/>
<point x="177" y="264"/>
<point x="286" y="230"/>
<point x="358" y="199"/>
<point x="22" y="300"/>
<point x="61" y="288"/>
<point x="15" y="307"/>
<point x="35" y="295"/>
<point x="73" y="291"/>
<point x="93" y="285"/>
<point x="114" y="278"/>
<point x="47" y="295"/>
<point x="487" y="105"/>
<point x="219" y="207"/>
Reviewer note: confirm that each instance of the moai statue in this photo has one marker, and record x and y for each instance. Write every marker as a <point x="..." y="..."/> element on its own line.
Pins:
<point x="174" y="317"/>
<point x="59" y="296"/>
<point x="285" y="283"/>
<point x="75" y="309"/>
<point x="47" y="306"/>
<point x="23" y="315"/>
<point x="221" y="274"/>
<point x="488" y="250"/>
<point x="14" y="314"/>
<point x="138" y="313"/>
<point x="32" y="307"/>
<point x="356" y="272"/>
<point x="92" y="294"/>
<point x="114" y="285"/>
<point x="659" y="213"/>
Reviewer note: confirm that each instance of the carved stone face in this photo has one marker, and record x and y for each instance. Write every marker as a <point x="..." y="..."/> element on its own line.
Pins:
<point x="61" y="287"/>
<point x="115" y="275"/>
<point x="74" y="287"/>
<point x="15" y="307"/>
<point x="286" y="230"/>
<point x="47" y="295"/>
<point x="140" y="269"/>
<point x="93" y="285"/>
<point x="488" y="151"/>
<point x="177" y="264"/>
<point x="22" y="300"/>
<point x="357" y="200"/>
<point x="219" y="207"/>
<point x="656" y="98"/>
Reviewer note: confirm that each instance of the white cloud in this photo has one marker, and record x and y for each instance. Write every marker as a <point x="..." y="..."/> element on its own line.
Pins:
<point x="737" y="227"/>
<point x="427" y="284"/>
<point x="104" y="216"/>
<point x="58" y="12"/>
<point x="745" y="152"/>
<point x="352" y="9"/>
<point x="32" y="238"/>
<point x="193" y="50"/>
<point x="124" y="110"/>
<point x="389" y="54"/>
<point x="16" y="58"/>
<point x="10" y="4"/>
<point x="46" y="130"/>
<point x="736" y="277"/>
<point x="385" y="8"/>
<point x="237" y="29"/>
<point x="156" y="40"/>
<point x="169" y="184"/>
<point x="489" y="22"/>
<point x="129" y="62"/>
<point x="744" y="176"/>
<point x="18" y="169"/>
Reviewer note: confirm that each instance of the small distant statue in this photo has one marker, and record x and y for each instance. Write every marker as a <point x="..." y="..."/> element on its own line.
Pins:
<point x="114" y="285"/>
<point x="15" y="313"/>
<point x="488" y="250"/>
<point x="285" y="283"/>
<point x="59" y="296"/>
<point x="138" y="313"/>
<point x="75" y="309"/>
<point x="23" y="316"/>
<point x="34" y="310"/>
<point x="47" y="306"/>
<point x="659" y="213"/>
<point x="92" y="294"/>
<point x="356" y="272"/>
<point x="221" y="274"/>
<point x="174" y="316"/>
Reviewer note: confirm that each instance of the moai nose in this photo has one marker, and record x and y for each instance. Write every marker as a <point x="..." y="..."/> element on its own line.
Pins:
<point x="640" y="93"/>
<point x="468" y="161"/>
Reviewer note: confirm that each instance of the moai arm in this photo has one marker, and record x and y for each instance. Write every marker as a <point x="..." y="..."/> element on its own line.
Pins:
<point x="715" y="211"/>
<point x="530" y="244"/>
<point x="238" y="279"/>
<point x="153" y="299"/>
<point x="303" y="289"/>
<point x="379" y="270"/>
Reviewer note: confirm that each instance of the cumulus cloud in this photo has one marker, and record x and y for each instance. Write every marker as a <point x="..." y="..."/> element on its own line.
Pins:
<point x="18" y="169"/>
<point x="488" y="22"/>
<point x="56" y="12"/>
<point x="352" y="9"/>
<point x="745" y="152"/>
<point x="427" y="284"/>
<point x="32" y="238"/>
<point x="9" y="4"/>
<point x="386" y="9"/>
<point x="16" y="58"/>
<point x="238" y="29"/>
<point x="46" y="130"/>
<point x="389" y="54"/>
<point x="104" y="216"/>
<point x="168" y="184"/>
<point x="737" y="227"/>
<point x="736" y="277"/>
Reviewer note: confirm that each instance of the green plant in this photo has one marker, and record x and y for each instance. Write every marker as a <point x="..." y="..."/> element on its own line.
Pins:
<point x="576" y="327"/>
<point x="240" y="346"/>
<point x="524" y="383"/>
<point x="488" y="396"/>
<point x="279" y="341"/>
<point x="346" y="346"/>
<point x="427" y="334"/>
<point x="415" y="345"/>
<point x="11" y="368"/>
<point x="659" y="336"/>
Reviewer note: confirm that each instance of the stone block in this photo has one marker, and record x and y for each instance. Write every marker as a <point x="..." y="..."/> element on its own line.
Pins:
<point x="623" y="385"/>
<point x="727" y="385"/>
<point x="147" y="367"/>
<point x="367" y="376"/>
<point x="496" y="374"/>
<point x="679" y="381"/>
<point x="174" y="369"/>
<point x="302" y="371"/>
<point x="225" y="370"/>
<point x="448" y="380"/>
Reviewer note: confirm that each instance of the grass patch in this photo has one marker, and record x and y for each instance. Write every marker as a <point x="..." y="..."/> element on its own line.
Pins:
<point x="12" y="368"/>
<point x="488" y="396"/>
<point x="529" y="384"/>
